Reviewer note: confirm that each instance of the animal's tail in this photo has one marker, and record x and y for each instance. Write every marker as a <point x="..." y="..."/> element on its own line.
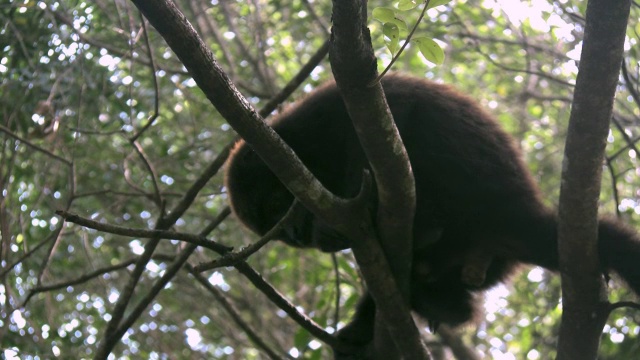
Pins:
<point x="619" y="248"/>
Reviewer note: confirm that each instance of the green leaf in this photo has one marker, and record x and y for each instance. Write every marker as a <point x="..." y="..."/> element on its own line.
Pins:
<point x="434" y="3"/>
<point x="400" y="24"/>
<point x="404" y="5"/>
<point x="316" y="354"/>
<point x="301" y="339"/>
<point x="387" y="15"/>
<point x="392" y="32"/>
<point x="351" y="301"/>
<point x="383" y="14"/>
<point x="430" y="49"/>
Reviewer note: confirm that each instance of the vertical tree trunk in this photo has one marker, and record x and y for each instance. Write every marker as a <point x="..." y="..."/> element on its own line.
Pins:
<point x="584" y="297"/>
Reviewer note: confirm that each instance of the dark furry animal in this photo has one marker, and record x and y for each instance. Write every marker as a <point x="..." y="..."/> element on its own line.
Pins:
<point x="479" y="212"/>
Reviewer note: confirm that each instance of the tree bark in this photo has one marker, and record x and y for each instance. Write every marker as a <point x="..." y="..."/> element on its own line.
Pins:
<point x="583" y="293"/>
<point x="354" y="67"/>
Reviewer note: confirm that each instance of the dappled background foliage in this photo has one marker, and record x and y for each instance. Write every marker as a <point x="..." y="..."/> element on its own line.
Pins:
<point x="99" y="118"/>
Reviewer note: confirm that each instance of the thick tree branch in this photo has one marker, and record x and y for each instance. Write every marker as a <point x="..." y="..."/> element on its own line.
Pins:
<point x="583" y="295"/>
<point x="112" y="334"/>
<point x="354" y="67"/>
<point x="184" y="41"/>
<point x="199" y="61"/>
<point x="110" y="338"/>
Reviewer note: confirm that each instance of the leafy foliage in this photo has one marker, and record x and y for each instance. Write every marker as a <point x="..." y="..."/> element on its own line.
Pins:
<point x="393" y="25"/>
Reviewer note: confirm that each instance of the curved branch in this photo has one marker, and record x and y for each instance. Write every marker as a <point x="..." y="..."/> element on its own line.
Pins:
<point x="230" y="309"/>
<point x="624" y="304"/>
<point x="82" y="279"/>
<point x="199" y="61"/>
<point x="354" y="67"/>
<point x="231" y="258"/>
<point x="142" y="233"/>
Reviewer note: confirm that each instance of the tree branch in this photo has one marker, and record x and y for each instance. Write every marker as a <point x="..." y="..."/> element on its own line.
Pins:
<point x="216" y="85"/>
<point x="113" y="332"/>
<point x="354" y="67"/>
<point x="142" y="233"/>
<point x="230" y="309"/>
<point x="230" y="258"/>
<point x="583" y="293"/>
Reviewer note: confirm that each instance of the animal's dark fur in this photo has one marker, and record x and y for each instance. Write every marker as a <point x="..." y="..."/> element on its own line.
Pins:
<point x="479" y="212"/>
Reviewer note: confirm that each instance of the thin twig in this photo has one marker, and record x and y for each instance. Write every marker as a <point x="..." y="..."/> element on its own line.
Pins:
<point x="163" y="281"/>
<point x="154" y="78"/>
<point x="233" y="257"/>
<point x="113" y="328"/>
<point x="281" y="301"/>
<point x="623" y="304"/>
<point x="336" y="270"/>
<point x="614" y="183"/>
<point x="52" y="236"/>
<point x="34" y="146"/>
<point x="406" y="42"/>
<point x="82" y="279"/>
<point x="157" y="198"/>
<point x="142" y="233"/>
<point x="230" y="309"/>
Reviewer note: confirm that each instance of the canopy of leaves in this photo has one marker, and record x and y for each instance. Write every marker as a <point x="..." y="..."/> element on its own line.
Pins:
<point x="99" y="118"/>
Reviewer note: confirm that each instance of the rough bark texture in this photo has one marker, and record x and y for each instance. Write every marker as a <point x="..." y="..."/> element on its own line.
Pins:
<point x="344" y="215"/>
<point x="354" y="67"/>
<point x="176" y="30"/>
<point x="584" y="298"/>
